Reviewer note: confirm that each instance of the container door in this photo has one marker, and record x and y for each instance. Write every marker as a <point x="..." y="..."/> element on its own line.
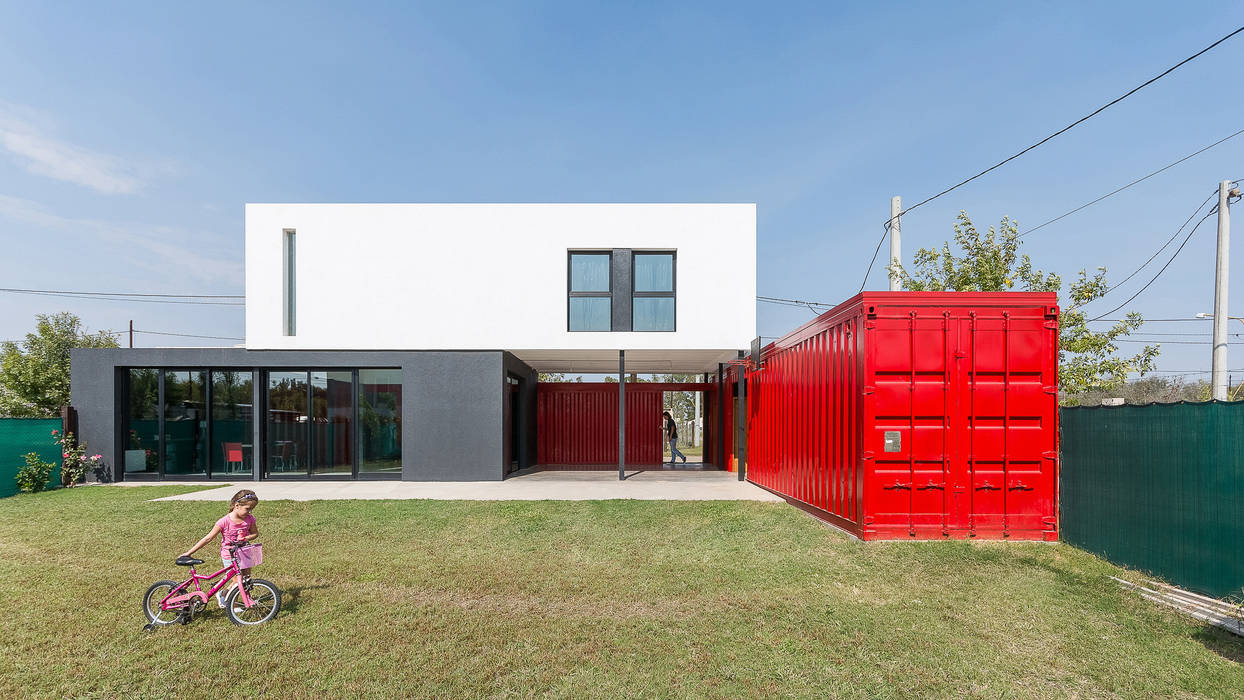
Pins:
<point x="911" y="443"/>
<point x="1008" y="414"/>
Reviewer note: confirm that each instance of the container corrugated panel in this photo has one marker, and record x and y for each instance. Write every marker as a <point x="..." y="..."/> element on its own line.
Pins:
<point x="915" y="415"/>
<point x="578" y="425"/>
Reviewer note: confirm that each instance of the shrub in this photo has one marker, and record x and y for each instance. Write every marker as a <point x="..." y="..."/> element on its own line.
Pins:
<point x="75" y="462"/>
<point x="33" y="477"/>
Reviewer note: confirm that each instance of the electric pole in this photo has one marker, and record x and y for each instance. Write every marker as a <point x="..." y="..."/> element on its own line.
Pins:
<point x="131" y="334"/>
<point x="1218" y="366"/>
<point x="896" y="242"/>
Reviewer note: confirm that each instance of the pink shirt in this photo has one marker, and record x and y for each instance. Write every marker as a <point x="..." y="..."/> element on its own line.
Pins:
<point x="232" y="532"/>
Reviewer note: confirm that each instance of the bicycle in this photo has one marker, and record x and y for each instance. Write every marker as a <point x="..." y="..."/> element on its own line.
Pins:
<point x="253" y="602"/>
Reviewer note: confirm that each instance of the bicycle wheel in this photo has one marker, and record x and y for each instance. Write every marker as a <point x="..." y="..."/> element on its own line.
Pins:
<point x="151" y="603"/>
<point x="265" y="603"/>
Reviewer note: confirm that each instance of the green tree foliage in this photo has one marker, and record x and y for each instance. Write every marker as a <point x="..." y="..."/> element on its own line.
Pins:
<point x="991" y="262"/>
<point x="34" y="376"/>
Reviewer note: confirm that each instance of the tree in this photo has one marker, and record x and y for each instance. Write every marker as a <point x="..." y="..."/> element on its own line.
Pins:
<point x="1088" y="359"/>
<point x="34" y="378"/>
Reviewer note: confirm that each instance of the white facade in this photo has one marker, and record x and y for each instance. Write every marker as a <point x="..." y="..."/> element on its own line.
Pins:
<point x="495" y="277"/>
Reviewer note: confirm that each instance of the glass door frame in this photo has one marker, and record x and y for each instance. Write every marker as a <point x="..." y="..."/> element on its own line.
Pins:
<point x="308" y="472"/>
<point x="162" y="445"/>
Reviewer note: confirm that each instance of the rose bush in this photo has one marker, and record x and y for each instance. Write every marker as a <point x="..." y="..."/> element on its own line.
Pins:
<point x="76" y="462"/>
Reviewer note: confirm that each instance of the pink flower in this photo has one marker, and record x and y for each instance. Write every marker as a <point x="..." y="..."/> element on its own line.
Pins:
<point x="97" y="456"/>
<point x="65" y="455"/>
<point x="56" y="432"/>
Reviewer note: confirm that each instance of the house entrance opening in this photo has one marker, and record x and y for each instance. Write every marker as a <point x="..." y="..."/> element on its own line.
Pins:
<point x="577" y="424"/>
<point x="686" y="426"/>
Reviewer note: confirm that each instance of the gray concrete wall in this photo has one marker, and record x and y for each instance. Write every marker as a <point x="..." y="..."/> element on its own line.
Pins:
<point x="453" y="403"/>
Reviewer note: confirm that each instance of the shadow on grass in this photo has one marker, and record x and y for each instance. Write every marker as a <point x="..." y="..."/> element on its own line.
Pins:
<point x="1221" y="642"/>
<point x="290" y="597"/>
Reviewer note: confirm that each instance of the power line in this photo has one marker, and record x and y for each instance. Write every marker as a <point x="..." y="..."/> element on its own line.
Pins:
<point x="125" y="299"/>
<point x="1149" y="320"/>
<point x="1164" y="245"/>
<point x="186" y="335"/>
<point x="1065" y="129"/>
<point x="1170" y="342"/>
<point x="1178" y="335"/>
<point x="1159" y="272"/>
<point x="1133" y="182"/>
<point x="127" y="294"/>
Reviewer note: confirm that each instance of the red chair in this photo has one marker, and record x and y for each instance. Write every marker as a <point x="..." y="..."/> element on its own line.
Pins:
<point x="233" y="455"/>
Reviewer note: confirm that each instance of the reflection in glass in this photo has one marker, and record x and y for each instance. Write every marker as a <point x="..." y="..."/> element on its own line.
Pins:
<point x="380" y="421"/>
<point x="589" y="272"/>
<point x="653" y="313"/>
<point x="332" y="413"/>
<point x="590" y="313"/>
<point x="231" y="450"/>
<point x="287" y="423"/>
<point x="654" y="272"/>
<point x="185" y="422"/>
<point x="142" y="443"/>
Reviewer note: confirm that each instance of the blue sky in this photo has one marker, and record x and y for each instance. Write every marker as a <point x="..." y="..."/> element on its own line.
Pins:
<point x="131" y="135"/>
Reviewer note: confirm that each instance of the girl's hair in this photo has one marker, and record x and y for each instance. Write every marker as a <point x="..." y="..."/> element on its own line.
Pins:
<point x="243" y="495"/>
<point x="666" y="413"/>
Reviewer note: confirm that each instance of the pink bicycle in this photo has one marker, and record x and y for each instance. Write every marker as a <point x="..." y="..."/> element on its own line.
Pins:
<point x="254" y="602"/>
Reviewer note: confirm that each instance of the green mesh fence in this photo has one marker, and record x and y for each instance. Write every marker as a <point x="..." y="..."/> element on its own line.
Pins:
<point x="1159" y="488"/>
<point x="19" y="436"/>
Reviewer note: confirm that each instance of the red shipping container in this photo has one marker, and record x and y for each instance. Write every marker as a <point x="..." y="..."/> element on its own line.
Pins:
<point x="915" y="415"/>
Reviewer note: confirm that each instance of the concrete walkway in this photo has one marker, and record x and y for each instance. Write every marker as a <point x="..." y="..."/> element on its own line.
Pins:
<point x="538" y="486"/>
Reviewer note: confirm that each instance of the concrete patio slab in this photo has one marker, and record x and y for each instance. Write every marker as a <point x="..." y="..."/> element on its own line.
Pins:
<point x="538" y="486"/>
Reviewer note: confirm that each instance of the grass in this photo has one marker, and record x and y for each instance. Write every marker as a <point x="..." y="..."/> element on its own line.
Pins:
<point x="577" y="599"/>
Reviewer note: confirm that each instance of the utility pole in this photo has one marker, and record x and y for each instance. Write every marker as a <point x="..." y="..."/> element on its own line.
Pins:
<point x="131" y="334"/>
<point x="896" y="242"/>
<point x="1218" y="366"/>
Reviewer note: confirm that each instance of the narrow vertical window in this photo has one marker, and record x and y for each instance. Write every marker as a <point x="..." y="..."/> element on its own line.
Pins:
<point x="291" y="287"/>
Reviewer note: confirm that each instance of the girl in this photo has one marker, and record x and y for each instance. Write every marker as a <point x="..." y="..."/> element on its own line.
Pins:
<point x="238" y="525"/>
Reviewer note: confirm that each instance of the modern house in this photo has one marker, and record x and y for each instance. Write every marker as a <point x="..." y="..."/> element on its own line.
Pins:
<point x="404" y="341"/>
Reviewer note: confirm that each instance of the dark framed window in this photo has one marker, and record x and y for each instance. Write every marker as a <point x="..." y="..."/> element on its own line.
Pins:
<point x="653" y="286"/>
<point x="590" y="303"/>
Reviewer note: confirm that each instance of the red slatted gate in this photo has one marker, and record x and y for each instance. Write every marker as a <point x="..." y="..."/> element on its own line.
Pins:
<point x="577" y="423"/>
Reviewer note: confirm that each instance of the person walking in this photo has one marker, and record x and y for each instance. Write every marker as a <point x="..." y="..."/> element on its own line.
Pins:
<point x="671" y="434"/>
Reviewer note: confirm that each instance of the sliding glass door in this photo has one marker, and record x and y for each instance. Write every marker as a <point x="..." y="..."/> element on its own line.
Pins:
<point x="288" y="424"/>
<point x="332" y="423"/>
<point x="202" y="423"/>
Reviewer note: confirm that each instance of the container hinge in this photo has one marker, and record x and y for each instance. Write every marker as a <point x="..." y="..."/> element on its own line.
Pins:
<point x="986" y="486"/>
<point x="1049" y="521"/>
<point x="869" y="324"/>
<point x="931" y="485"/>
<point x="869" y="390"/>
<point x="898" y="485"/>
<point x="868" y="454"/>
<point x="1051" y="324"/>
<point x="1050" y="389"/>
<point x="1019" y="486"/>
<point x="1051" y="454"/>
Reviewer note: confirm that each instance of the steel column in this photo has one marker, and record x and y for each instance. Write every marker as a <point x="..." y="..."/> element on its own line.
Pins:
<point x="621" y="415"/>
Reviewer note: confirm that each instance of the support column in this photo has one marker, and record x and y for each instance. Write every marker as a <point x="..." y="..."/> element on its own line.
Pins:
<point x="721" y="417"/>
<point x="621" y="415"/>
<point x="740" y="437"/>
<point x="258" y="413"/>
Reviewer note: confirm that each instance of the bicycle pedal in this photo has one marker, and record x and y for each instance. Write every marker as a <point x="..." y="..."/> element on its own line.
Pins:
<point x="149" y="627"/>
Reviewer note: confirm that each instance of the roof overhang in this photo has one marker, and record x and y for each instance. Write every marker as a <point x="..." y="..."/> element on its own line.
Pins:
<point x="640" y="361"/>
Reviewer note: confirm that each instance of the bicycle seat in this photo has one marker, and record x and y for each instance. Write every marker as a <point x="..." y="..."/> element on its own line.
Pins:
<point x="188" y="561"/>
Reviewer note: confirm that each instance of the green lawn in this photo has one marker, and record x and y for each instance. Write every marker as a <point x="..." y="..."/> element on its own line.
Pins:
<point x="577" y="599"/>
